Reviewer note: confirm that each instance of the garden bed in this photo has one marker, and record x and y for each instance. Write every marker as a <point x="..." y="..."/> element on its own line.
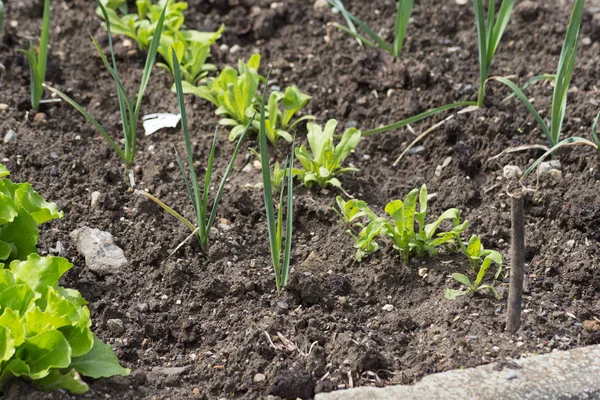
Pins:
<point x="219" y="316"/>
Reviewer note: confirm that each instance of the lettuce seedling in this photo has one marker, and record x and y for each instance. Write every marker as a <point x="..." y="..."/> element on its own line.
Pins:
<point x="475" y="252"/>
<point x="22" y="209"/>
<point x="45" y="329"/>
<point x="409" y="242"/>
<point x="192" y="49"/>
<point x="325" y="163"/>
<point x="476" y="286"/>
<point x="279" y="124"/>
<point x="37" y="63"/>
<point x="233" y="93"/>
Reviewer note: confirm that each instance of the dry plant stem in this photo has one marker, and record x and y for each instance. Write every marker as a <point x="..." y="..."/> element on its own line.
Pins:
<point x="515" y="292"/>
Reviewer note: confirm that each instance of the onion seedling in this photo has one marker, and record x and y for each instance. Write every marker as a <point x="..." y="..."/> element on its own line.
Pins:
<point x="37" y="63"/>
<point x="275" y="226"/>
<point x="562" y="80"/>
<point x="204" y="218"/>
<point x="1" y="17"/>
<point x="489" y="34"/>
<point x="370" y="38"/>
<point x="325" y="163"/>
<point x="129" y="111"/>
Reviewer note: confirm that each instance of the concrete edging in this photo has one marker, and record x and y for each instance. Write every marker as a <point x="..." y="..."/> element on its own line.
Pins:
<point x="572" y="374"/>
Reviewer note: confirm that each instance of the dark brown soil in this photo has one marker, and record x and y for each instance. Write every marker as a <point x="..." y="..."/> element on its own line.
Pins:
<point x="214" y="316"/>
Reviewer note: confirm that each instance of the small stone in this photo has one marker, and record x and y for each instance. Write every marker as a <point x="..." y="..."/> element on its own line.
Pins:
<point x="512" y="374"/>
<point x="366" y="157"/>
<point x="422" y="272"/>
<point x="461" y="2"/>
<point x="143" y="307"/>
<point x="10" y="136"/>
<point x="257" y="165"/>
<point x="320" y="4"/>
<point x="446" y="162"/>
<point x="39" y="118"/>
<point x="235" y="49"/>
<point x="387" y="307"/>
<point x="196" y="391"/>
<point x="586" y="41"/>
<point x="511" y="172"/>
<point x="259" y="378"/>
<point x="495" y="349"/>
<point x="351" y="124"/>
<point x="556" y="174"/>
<point x="224" y="48"/>
<point x="570" y="244"/>
<point x="214" y="233"/>
<point x="127" y="43"/>
<point x="116" y="326"/>
<point x="247" y="168"/>
<point x="102" y="255"/>
<point x="3" y="107"/>
<point x="591" y="325"/>
<point x="438" y="171"/>
<point x="520" y="344"/>
<point x="96" y="197"/>
<point x="417" y="150"/>
<point x="53" y="171"/>
<point x="224" y="227"/>
<point x="282" y="305"/>
<point x="545" y="167"/>
<point x="249" y="286"/>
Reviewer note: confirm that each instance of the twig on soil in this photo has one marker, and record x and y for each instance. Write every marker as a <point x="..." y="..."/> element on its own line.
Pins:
<point x="269" y="339"/>
<point x="515" y="293"/>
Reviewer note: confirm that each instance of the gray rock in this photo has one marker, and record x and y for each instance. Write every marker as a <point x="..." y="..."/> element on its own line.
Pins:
<point x="116" y="326"/>
<point x="547" y="166"/>
<point x="101" y="254"/>
<point x="10" y="136"/>
<point x="417" y="150"/>
<point x="96" y="197"/>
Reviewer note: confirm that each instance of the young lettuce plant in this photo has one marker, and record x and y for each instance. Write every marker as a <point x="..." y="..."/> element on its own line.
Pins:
<point x="22" y="209"/>
<point x="275" y="226"/>
<point x="279" y="124"/>
<point x="192" y="49"/>
<point x="475" y="252"/>
<point x="489" y="34"/>
<point x="45" y="329"/>
<point x="325" y="163"/>
<point x="129" y="110"/>
<point x="233" y="93"/>
<point x="562" y="80"/>
<point x="409" y="242"/>
<point x="37" y="63"/>
<point x="476" y="286"/>
<point x="370" y="38"/>
<point x="204" y="218"/>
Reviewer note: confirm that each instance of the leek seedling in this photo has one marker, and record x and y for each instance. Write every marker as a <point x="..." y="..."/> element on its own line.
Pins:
<point x="562" y="80"/>
<point x="204" y="219"/>
<point x="370" y="38"/>
<point x="37" y="64"/>
<point x="275" y="227"/>
<point x="129" y="111"/>
<point x="1" y="16"/>
<point x="489" y="35"/>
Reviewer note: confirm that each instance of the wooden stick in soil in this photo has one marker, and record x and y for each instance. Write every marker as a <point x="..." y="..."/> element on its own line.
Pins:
<point x="515" y="291"/>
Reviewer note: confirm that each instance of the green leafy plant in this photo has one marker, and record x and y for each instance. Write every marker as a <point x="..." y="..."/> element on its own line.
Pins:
<point x="562" y="80"/>
<point x="370" y="38"/>
<point x="204" y="218"/>
<point x="129" y="110"/>
<point x="325" y="163"/>
<point x="350" y="211"/>
<point x="475" y="252"/>
<point x="233" y="93"/>
<point x="192" y="49"/>
<point x="476" y="286"/>
<point x="45" y="329"/>
<point x="401" y="230"/>
<point x="22" y="209"/>
<point x="489" y="34"/>
<point x="142" y="26"/>
<point x="275" y="226"/>
<point x="279" y="123"/>
<point x="37" y="62"/>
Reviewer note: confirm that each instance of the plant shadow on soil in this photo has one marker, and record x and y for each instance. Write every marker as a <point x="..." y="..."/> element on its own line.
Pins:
<point x="217" y="316"/>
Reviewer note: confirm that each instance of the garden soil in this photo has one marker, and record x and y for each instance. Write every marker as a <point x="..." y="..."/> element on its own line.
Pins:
<point x="211" y="327"/>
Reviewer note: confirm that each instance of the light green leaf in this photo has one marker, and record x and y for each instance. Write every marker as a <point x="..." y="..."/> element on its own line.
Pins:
<point x="99" y="362"/>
